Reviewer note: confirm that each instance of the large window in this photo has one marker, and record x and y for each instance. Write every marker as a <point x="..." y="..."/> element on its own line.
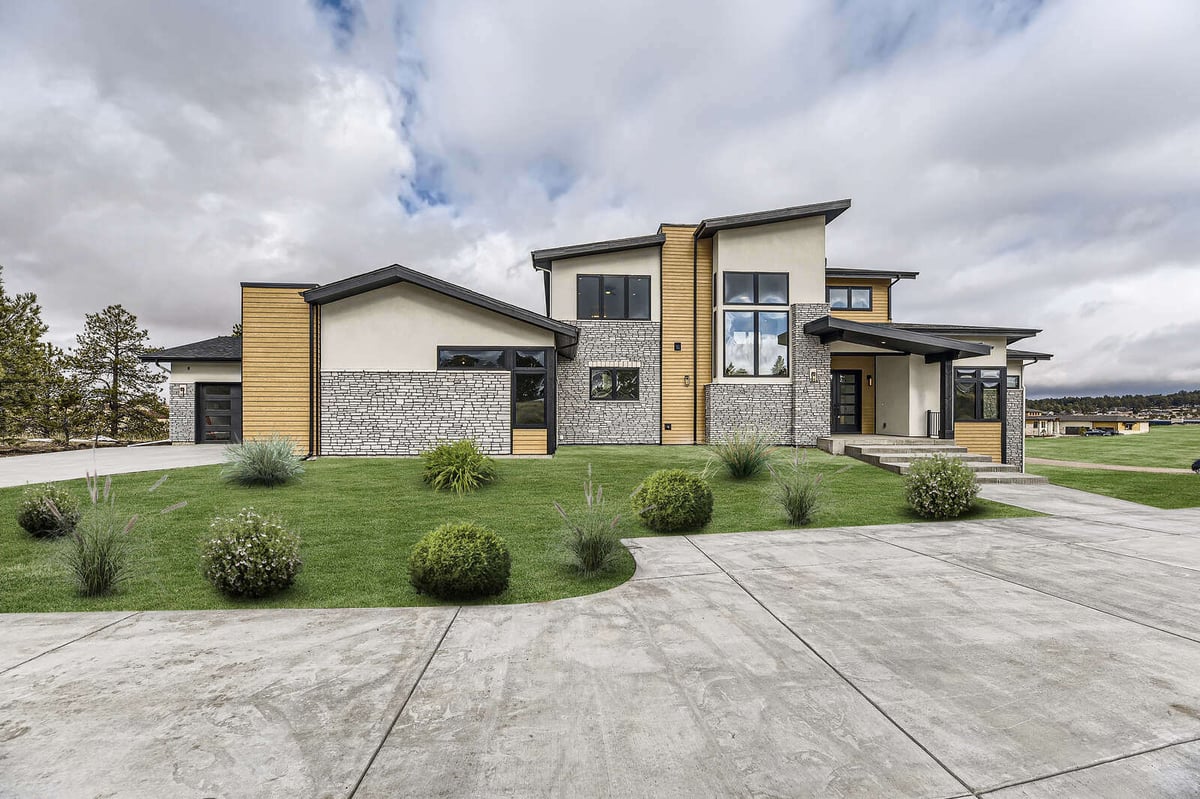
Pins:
<point x="756" y="344"/>
<point x="612" y="297"/>
<point x="977" y="395"/>
<point x="463" y="358"/>
<point x="849" y="298"/>
<point x="530" y="378"/>
<point x="614" y="384"/>
<point x="756" y="288"/>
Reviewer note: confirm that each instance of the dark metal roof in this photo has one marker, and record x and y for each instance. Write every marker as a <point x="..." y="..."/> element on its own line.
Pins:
<point x="1010" y="333"/>
<point x="831" y="211"/>
<point x="1027" y="355"/>
<point x="254" y="284"/>
<point x="565" y="336"/>
<point x="543" y="258"/>
<point x="870" y="273"/>
<point x="831" y="328"/>
<point x="221" y="348"/>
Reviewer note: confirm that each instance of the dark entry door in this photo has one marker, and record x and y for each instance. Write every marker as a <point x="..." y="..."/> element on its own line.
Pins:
<point x="846" y="402"/>
<point x="218" y="413"/>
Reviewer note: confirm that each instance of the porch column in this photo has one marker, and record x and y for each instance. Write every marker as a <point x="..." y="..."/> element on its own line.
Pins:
<point x="947" y="399"/>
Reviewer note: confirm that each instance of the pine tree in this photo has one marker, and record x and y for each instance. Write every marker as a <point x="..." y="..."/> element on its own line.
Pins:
<point x="22" y="358"/>
<point x="64" y="407"/>
<point x="106" y="357"/>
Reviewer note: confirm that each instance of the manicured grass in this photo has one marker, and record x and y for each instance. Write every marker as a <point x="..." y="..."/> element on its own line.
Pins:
<point x="1172" y="446"/>
<point x="359" y="517"/>
<point x="1148" y="488"/>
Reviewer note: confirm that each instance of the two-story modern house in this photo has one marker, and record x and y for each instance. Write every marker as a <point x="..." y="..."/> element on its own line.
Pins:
<point x="680" y="337"/>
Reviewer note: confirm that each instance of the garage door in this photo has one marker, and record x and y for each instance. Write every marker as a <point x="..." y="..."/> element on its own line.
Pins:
<point x="218" y="413"/>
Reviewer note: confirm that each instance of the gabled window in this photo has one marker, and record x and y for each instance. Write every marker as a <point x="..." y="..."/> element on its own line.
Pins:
<point x="977" y="395"/>
<point x="612" y="297"/>
<point x="756" y="288"/>
<point x="849" y="298"/>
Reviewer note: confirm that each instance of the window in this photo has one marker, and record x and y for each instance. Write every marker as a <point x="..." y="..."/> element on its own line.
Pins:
<point x="977" y="395"/>
<point x="612" y="297"/>
<point x="614" y="384"/>
<point x="756" y="344"/>
<point x="756" y="288"/>
<point x="849" y="298"/>
<point x="1013" y="381"/>
<point x="460" y="358"/>
<point x="529" y="388"/>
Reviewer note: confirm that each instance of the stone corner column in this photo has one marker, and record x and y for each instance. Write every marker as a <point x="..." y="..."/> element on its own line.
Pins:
<point x="1014" y="442"/>
<point x="181" y="414"/>
<point x="811" y="377"/>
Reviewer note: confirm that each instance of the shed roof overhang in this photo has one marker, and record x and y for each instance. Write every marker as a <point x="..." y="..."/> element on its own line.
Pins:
<point x="934" y="348"/>
<point x="1028" y="355"/>
<point x="831" y="211"/>
<point x="1011" y="334"/>
<point x="542" y="259"/>
<point x="869" y="274"/>
<point x="566" y="337"/>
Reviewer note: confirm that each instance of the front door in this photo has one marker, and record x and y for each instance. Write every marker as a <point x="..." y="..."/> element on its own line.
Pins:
<point x="218" y="413"/>
<point x="846" y="402"/>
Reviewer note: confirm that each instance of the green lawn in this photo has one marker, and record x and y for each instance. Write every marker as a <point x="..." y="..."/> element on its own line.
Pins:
<point x="359" y="517"/>
<point x="1173" y="446"/>
<point x="1148" y="488"/>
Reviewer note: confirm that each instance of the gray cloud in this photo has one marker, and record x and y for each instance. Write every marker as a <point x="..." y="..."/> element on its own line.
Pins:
<point x="1038" y="163"/>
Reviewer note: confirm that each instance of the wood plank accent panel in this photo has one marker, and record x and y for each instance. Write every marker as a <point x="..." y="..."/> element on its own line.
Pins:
<point x="276" y="371"/>
<point x="529" y="442"/>
<point x="678" y="287"/>
<point x="980" y="438"/>
<point x="880" y="308"/>
<point x="866" y="365"/>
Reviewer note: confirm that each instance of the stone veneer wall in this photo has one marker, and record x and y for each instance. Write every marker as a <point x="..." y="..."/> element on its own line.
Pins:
<point x="810" y="399"/>
<point x="1014" y="443"/>
<point x="611" y="343"/>
<point x="406" y="413"/>
<point x="182" y="413"/>
<point x="764" y="408"/>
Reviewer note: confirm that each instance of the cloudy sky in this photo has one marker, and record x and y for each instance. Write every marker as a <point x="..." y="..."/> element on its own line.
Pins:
<point x="1037" y="162"/>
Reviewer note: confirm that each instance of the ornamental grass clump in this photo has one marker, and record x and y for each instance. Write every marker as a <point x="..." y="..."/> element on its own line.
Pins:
<point x="744" y="453"/>
<point x="460" y="561"/>
<point x="250" y="555"/>
<point x="265" y="462"/>
<point x="940" y="487"/>
<point x="458" y="466"/>
<point x="800" y="491"/>
<point x="48" y="511"/>
<point x="674" y="501"/>
<point x="592" y="540"/>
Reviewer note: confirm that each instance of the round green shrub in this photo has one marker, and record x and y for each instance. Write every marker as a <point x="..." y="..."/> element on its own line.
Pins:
<point x="674" y="501"/>
<point x="250" y="555"/>
<point x="460" y="561"/>
<point x="35" y="516"/>
<point x="940" y="487"/>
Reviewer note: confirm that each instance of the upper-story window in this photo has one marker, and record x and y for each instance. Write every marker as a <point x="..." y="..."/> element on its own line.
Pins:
<point x="756" y="288"/>
<point x="849" y="298"/>
<point x="612" y="297"/>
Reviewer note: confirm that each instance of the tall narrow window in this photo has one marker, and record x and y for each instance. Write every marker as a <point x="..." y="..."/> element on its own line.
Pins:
<point x="756" y="344"/>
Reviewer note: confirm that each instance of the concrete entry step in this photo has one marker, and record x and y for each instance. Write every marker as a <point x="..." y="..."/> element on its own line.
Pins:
<point x="896" y="454"/>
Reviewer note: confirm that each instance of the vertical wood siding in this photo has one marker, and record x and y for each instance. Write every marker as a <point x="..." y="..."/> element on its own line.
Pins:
<point x="276" y="371"/>
<point x="678" y="287"/>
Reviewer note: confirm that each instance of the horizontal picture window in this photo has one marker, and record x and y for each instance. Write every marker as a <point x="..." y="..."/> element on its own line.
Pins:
<point x="614" y="384"/>
<point x="612" y="297"/>
<point x="458" y="358"/>
<point x="756" y="288"/>
<point x="849" y="298"/>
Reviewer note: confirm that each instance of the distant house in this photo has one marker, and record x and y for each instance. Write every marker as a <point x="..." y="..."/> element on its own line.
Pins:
<point x="1041" y="424"/>
<point x="1046" y="425"/>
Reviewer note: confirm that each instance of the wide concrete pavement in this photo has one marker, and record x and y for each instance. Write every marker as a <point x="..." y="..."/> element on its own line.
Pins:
<point x="46" y="467"/>
<point x="1038" y="657"/>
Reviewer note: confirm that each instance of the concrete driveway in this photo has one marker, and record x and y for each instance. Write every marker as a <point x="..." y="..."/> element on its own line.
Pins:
<point x="1042" y="657"/>
<point x="46" y="467"/>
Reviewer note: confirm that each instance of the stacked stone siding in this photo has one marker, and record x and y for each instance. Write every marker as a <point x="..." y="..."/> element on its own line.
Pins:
<point x="810" y="398"/>
<point x="182" y="413"/>
<point x="764" y="408"/>
<point x="1014" y="442"/>
<point x="611" y="343"/>
<point x="406" y="413"/>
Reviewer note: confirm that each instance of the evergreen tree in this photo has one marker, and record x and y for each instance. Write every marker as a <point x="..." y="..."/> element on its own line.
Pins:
<point x="63" y="407"/>
<point x="22" y="358"/>
<point x="106" y="358"/>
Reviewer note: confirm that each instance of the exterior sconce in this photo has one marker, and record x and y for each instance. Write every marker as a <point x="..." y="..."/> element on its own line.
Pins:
<point x="687" y="380"/>
<point x="870" y="381"/>
<point x="812" y="375"/>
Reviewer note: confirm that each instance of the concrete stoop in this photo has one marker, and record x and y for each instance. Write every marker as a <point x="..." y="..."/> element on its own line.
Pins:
<point x="898" y="455"/>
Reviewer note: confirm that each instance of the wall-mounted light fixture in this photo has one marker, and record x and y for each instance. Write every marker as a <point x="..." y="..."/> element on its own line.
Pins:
<point x="870" y="381"/>
<point x="687" y="380"/>
<point x="812" y="375"/>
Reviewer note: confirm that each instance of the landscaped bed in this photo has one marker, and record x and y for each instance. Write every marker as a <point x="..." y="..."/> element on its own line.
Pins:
<point x="358" y="519"/>
<point x="1148" y="488"/>
<point x="1171" y="446"/>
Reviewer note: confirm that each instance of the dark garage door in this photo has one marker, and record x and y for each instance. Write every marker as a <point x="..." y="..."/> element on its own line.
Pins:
<point x="218" y="413"/>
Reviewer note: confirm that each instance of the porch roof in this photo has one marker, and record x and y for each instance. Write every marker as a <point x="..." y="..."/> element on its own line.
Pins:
<point x="934" y="348"/>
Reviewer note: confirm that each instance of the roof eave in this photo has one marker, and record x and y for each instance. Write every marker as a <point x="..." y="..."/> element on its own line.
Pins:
<point x="830" y="210"/>
<point x="831" y="328"/>
<point x="543" y="259"/>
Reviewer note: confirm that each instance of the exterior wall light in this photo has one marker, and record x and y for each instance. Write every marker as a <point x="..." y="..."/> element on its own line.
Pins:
<point x="687" y="380"/>
<point x="870" y="381"/>
<point x="812" y="375"/>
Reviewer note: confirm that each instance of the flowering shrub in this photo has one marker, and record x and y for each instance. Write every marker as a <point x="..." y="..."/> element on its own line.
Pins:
<point x="47" y="511"/>
<point x="940" y="487"/>
<point x="250" y="555"/>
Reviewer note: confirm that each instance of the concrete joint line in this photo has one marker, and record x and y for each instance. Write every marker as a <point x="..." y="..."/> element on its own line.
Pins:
<point x="68" y="643"/>
<point x="396" y="718"/>
<point x="838" y="672"/>
<point x="1098" y="547"/>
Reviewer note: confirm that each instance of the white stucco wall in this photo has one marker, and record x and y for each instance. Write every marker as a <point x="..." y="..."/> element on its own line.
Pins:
<point x="398" y="328"/>
<point x="563" y="273"/>
<point x="891" y="396"/>
<point x="924" y="393"/>
<point x="997" y="357"/>
<point x="206" y="372"/>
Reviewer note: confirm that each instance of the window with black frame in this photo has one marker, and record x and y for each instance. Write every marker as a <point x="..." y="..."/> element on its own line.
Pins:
<point x="756" y="344"/>
<point x="529" y="388"/>
<point x="612" y="297"/>
<point x="756" y="288"/>
<point x="849" y="298"/>
<point x="614" y="384"/>
<point x="977" y="395"/>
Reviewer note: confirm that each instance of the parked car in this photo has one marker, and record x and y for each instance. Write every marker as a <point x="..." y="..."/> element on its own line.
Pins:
<point x="1100" y="431"/>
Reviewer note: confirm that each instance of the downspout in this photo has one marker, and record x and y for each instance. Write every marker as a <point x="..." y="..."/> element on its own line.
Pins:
<point x="695" y="346"/>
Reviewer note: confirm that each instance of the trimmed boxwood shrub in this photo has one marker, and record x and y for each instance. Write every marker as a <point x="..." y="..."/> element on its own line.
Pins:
<point x="940" y="487"/>
<point x="674" y="501"/>
<point x="250" y="555"/>
<point x="460" y="561"/>
<point x="36" y="517"/>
